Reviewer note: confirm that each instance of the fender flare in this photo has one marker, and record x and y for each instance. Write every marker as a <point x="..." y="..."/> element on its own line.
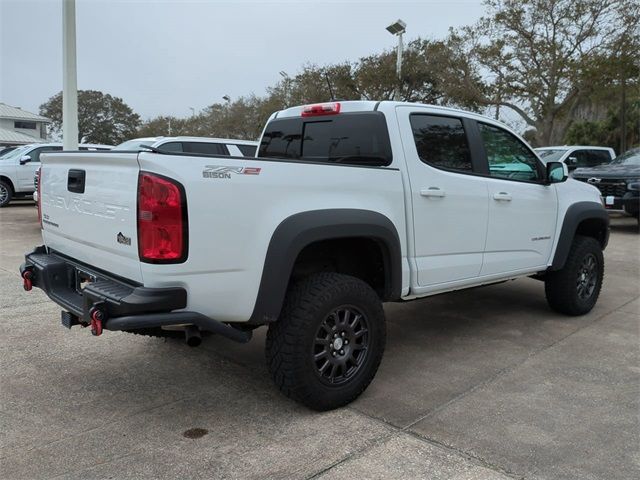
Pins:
<point x="576" y="214"/>
<point x="302" y="229"/>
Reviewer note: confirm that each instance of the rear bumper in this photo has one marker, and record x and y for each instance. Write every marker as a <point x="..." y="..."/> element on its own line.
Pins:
<point x="123" y="305"/>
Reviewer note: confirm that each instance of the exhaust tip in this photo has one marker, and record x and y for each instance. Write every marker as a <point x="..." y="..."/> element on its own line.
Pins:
<point x="192" y="336"/>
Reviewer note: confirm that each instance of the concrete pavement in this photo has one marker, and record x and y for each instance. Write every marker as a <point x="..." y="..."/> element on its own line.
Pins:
<point x="481" y="384"/>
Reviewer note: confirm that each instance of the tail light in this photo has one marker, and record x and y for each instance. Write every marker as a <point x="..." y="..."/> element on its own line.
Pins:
<point x="321" y="109"/>
<point x="162" y="220"/>
<point x="39" y="177"/>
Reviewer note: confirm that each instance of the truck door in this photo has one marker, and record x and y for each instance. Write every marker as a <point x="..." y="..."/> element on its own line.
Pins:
<point x="522" y="209"/>
<point x="450" y="202"/>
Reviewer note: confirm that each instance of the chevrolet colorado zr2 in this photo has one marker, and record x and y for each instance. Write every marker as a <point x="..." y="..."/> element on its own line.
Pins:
<point x="347" y="205"/>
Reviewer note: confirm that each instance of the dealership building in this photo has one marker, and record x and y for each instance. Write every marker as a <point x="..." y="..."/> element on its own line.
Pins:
<point x="19" y="127"/>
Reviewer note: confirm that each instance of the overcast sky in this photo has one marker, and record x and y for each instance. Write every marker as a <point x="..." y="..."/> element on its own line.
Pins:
<point x="163" y="57"/>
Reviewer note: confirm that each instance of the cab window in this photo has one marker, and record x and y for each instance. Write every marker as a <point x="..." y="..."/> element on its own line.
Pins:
<point x="507" y="156"/>
<point x="441" y="142"/>
<point x="35" y="154"/>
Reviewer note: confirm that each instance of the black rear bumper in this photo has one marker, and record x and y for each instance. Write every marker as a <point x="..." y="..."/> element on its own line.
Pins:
<point x="81" y="289"/>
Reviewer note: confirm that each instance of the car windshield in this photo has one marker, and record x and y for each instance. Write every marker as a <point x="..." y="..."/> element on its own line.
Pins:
<point x="550" y="154"/>
<point x="134" y="145"/>
<point x="16" y="153"/>
<point x="632" y="157"/>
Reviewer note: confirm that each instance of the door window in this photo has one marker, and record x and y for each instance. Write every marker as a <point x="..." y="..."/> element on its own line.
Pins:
<point x="592" y="158"/>
<point x="441" y="142"/>
<point x="171" y="147"/>
<point x="247" y="150"/>
<point x="507" y="156"/>
<point x="35" y="154"/>
<point x="206" y="148"/>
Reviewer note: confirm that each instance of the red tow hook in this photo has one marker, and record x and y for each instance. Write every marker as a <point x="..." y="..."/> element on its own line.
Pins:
<point x="27" y="277"/>
<point x="97" y="317"/>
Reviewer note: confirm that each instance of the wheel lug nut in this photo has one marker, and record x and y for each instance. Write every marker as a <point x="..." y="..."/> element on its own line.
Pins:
<point x="346" y="342"/>
<point x="342" y="334"/>
<point x="333" y="353"/>
<point x="335" y="335"/>
<point x="341" y="352"/>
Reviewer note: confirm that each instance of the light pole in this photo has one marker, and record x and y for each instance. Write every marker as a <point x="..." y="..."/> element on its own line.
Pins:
<point x="193" y="111"/>
<point x="287" y="79"/>
<point x="69" y="77"/>
<point x="398" y="28"/>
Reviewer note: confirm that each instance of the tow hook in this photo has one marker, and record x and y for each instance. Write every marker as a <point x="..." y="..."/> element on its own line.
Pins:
<point x="27" y="278"/>
<point x="97" y="317"/>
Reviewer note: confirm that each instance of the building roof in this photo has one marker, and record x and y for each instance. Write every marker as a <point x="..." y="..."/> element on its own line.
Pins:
<point x="15" y="113"/>
<point x="11" y="137"/>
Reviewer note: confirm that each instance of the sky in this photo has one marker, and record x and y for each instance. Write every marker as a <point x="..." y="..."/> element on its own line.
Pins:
<point x="166" y="57"/>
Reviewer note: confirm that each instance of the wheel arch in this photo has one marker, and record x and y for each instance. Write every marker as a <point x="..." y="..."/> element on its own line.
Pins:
<point x="301" y="230"/>
<point x="9" y="182"/>
<point x="583" y="218"/>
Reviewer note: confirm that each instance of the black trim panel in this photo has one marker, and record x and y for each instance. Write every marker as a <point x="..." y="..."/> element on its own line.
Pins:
<point x="302" y="229"/>
<point x="576" y="214"/>
<point x="60" y="279"/>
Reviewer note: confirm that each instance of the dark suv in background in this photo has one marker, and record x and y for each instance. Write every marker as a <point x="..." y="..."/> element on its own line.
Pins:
<point x="618" y="182"/>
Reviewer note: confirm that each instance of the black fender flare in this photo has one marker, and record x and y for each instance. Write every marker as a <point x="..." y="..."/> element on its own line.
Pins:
<point x="576" y="214"/>
<point x="302" y="229"/>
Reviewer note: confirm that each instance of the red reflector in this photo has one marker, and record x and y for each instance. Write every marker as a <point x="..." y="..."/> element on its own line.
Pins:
<point x="321" y="109"/>
<point x="162" y="220"/>
<point x="39" y="176"/>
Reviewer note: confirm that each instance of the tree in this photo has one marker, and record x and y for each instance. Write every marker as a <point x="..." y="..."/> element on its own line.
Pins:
<point x="541" y="56"/>
<point x="102" y="118"/>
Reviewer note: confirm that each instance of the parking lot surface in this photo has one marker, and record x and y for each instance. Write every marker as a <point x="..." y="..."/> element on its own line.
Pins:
<point x="487" y="383"/>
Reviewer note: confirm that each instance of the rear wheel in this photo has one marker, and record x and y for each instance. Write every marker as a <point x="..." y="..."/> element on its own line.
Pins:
<point x="574" y="290"/>
<point x="6" y="192"/>
<point x="328" y="343"/>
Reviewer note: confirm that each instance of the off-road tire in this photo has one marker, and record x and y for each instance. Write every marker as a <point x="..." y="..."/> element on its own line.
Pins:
<point x="6" y="193"/>
<point x="293" y="340"/>
<point x="562" y="287"/>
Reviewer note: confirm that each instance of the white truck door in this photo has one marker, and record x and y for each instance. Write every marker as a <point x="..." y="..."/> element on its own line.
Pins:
<point x="522" y="210"/>
<point x="450" y="203"/>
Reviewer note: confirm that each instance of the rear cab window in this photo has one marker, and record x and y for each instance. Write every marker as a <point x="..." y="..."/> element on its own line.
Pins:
<point x="355" y="138"/>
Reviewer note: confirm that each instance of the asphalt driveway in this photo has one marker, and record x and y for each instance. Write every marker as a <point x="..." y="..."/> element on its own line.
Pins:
<point x="482" y="384"/>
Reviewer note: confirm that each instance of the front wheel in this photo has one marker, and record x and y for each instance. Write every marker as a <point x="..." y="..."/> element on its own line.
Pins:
<point x="328" y="343"/>
<point x="6" y="192"/>
<point x="574" y="290"/>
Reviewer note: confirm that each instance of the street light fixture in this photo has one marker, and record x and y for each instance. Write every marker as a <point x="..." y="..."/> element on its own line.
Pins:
<point x="398" y="28"/>
<point x="226" y="98"/>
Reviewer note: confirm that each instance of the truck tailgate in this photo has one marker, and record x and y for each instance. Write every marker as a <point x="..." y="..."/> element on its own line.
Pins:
<point x="89" y="202"/>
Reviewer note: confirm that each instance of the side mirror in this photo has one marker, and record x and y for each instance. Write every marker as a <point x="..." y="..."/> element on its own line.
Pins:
<point x="557" y="172"/>
<point x="25" y="159"/>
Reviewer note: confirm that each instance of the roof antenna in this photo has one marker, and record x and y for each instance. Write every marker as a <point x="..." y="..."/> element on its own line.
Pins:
<point x="326" y="76"/>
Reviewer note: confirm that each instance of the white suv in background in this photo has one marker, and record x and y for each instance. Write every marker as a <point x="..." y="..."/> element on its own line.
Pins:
<point x="18" y="168"/>
<point x="577" y="156"/>
<point x="206" y="145"/>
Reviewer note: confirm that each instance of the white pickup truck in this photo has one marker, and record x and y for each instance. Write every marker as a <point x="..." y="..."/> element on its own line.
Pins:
<point x="347" y="205"/>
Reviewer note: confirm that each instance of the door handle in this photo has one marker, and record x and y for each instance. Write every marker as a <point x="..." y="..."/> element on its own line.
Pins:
<point x="75" y="181"/>
<point x="502" y="197"/>
<point x="432" y="192"/>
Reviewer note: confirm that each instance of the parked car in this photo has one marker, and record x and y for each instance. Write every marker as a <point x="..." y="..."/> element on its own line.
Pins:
<point x="19" y="166"/>
<point x="211" y="146"/>
<point x="576" y="156"/>
<point x="618" y="182"/>
<point x="348" y="205"/>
